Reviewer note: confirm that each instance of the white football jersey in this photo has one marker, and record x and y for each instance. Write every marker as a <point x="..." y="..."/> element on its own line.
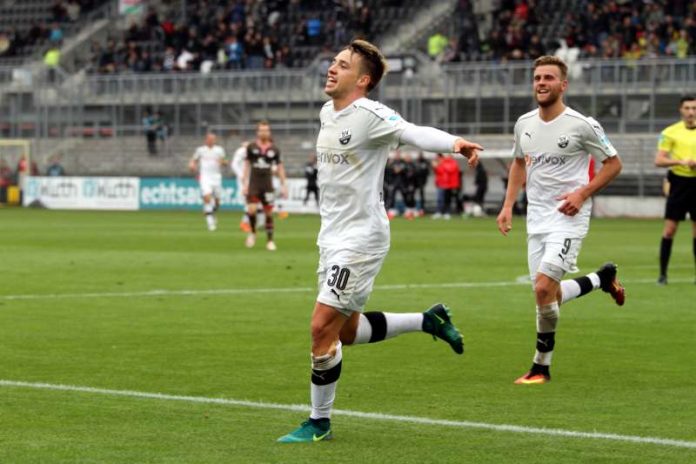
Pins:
<point x="556" y="155"/>
<point x="209" y="162"/>
<point x="352" y="150"/>
<point x="237" y="164"/>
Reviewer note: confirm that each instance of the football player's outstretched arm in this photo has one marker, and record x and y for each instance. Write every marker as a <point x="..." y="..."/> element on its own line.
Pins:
<point x="431" y="139"/>
<point x="518" y="172"/>
<point x="611" y="167"/>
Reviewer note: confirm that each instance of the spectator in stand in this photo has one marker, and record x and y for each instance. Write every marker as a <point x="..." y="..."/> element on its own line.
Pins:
<point x="453" y="176"/>
<point x="451" y="53"/>
<point x="150" y="130"/>
<point x="169" y="60"/>
<point x="56" y="33"/>
<point x="314" y="35"/>
<point x="51" y="60"/>
<point x="184" y="60"/>
<point x="54" y="168"/>
<point x="107" y="58"/>
<point x="422" y="168"/>
<point x="436" y="45"/>
<point x="72" y="9"/>
<point x="409" y="181"/>
<point x="235" y="53"/>
<point x="311" y="172"/>
<point x="254" y="49"/>
<point x="58" y="11"/>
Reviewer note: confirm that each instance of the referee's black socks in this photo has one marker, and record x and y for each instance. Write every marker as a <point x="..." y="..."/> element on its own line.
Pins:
<point x="665" y="252"/>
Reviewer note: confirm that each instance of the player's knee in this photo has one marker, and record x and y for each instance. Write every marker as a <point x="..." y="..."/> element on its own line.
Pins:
<point x="320" y="333"/>
<point x="543" y="290"/>
<point x="670" y="229"/>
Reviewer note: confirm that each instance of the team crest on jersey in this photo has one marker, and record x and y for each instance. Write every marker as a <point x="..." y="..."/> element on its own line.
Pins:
<point x="270" y="153"/>
<point x="563" y="141"/>
<point x="345" y="137"/>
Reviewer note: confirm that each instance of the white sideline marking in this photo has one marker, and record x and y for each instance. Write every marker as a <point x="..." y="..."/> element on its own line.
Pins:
<point x="358" y="414"/>
<point x="242" y="291"/>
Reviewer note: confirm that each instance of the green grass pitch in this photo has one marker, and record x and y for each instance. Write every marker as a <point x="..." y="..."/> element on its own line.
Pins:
<point x="626" y="371"/>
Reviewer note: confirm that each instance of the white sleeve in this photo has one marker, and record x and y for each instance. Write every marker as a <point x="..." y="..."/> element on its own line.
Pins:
<point x="197" y="154"/>
<point x="596" y="142"/>
<point x="428" y="138"/>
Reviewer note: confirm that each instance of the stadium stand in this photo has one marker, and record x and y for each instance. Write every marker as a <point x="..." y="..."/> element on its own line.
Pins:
<point x="28" y="27"/>
<point x="244" y="35"/>
<point x="526" y="29"/>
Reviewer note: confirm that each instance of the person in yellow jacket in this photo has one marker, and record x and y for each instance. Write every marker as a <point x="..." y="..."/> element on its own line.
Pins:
<point x="51" y="60"/>
<point x="676" y="150"/>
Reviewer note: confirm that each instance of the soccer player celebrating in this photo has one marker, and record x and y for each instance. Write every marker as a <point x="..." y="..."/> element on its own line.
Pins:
<point x="551" y="150"/>
<point x="208" y="160"/>
<point x="676" y="150"/>
<point x="352" y="148"/>
<point x="262" y="160"/>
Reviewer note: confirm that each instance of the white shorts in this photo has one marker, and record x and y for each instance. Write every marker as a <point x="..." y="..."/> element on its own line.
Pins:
<point x="346" y="278"/>
<point x="211" y="187"/>
<point x="552" y="254"/>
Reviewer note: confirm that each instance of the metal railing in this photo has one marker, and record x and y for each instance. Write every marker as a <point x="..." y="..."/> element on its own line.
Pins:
<point x="467" y="98"/>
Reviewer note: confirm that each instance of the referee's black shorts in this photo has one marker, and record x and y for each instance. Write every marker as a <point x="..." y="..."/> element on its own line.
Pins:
<point x="682" y="197"/>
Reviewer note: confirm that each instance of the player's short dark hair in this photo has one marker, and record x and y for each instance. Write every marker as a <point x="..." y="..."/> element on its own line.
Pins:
<point x="263" y="122"/>
<point x="373" y="62"/>
<point x="552" y="61"/>
<point x="686" y="98"/>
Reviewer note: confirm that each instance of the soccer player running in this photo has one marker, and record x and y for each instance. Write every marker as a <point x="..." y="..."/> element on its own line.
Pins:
<point x="551" y="150"/>
<point x="208" y="160"/>
<point x="352" y="148"/>
<point x="676" y="150"/>
<point x="262" y="160"/>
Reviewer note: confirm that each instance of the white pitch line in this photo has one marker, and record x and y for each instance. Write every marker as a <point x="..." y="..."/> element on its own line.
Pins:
<point x="358" y="414"/>
<point x="243" y="291"/>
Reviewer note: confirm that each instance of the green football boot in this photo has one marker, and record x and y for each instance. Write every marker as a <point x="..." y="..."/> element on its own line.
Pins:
<point x="310" y="431"/>
<point x="437" y="322"/>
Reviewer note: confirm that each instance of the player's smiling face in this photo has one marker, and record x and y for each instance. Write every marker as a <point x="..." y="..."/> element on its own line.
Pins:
<point x="344" y="74"/>
<point x="688" y="113"/>
<point x="548" y="85"/>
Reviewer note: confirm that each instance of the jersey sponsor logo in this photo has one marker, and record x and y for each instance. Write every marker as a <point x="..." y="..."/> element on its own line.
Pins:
<point x="345" y="136"/>
<point x="333" y="158"/>
<point x="528" y="134"/>
<point x="261" y="163"/>
<point x="554" y="160"/>
<point x="563" y="141"/>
